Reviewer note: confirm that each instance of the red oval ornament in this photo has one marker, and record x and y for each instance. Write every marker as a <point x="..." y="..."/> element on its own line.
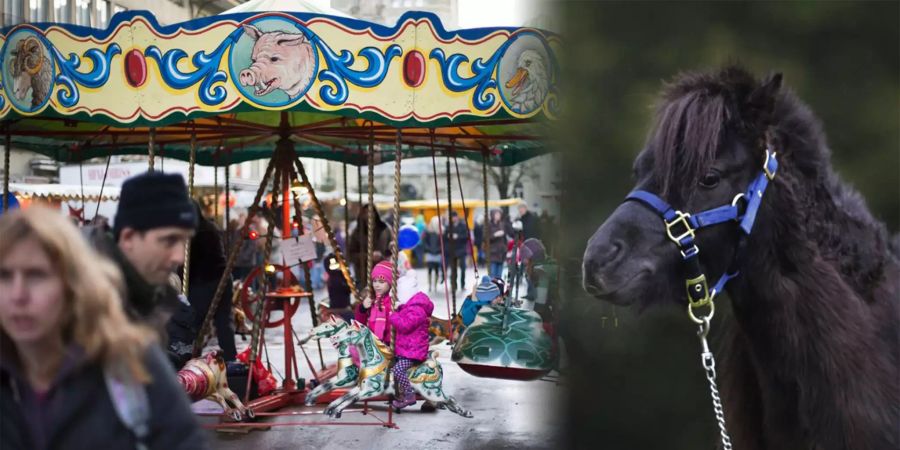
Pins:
<point x="414" y="68"/>
<point x="135" y="68"/>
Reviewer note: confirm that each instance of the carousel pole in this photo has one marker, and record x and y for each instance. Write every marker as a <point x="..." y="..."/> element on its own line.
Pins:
<point x="216" y="186"/>
<point x="226" y="233"/>
<point x="151" y="150"/>
<point x="395" y="250"/>
<point x="437" y="199"/>
<point x="454" y="265"/>
<point x="371" y="216"/>
<point x="346" y="206"/>
<point x="7" y="144"/>
<point x="185" y="279"/>
<point x="103" y="183"/>
<point x="81" y="181"/>
<point x="487" y="234"/>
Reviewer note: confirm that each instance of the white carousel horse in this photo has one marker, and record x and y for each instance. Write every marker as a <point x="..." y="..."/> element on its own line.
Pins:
<point x="347" y="372"/>
<point x="375" y="375"/>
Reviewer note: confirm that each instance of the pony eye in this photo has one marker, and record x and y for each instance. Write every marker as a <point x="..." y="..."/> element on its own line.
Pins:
<point x="710" y="180"/>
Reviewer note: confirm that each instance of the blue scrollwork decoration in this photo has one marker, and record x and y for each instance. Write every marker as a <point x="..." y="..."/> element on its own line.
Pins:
<point x="207" y="72"/>
<point x="338" y="71"/>
<point x="482" y="78"/>
<point x="70" y="78"/>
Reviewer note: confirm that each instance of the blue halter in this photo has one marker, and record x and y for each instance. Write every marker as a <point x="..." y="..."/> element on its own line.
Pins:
<point x="681" y="227"/>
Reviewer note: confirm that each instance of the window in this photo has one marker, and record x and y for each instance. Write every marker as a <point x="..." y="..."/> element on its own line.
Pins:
<point x="38" y="12"/>
<point x="61" y="11"/>
<point x="12" y="12"/>
<point x="102" y="13"/>
<point x="83" y="12"/>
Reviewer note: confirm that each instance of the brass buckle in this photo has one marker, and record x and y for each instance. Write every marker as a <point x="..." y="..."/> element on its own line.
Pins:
<point x="769" y="174"/>
<point x="680" y="218"/>
<point x="698" y="285"/>
<point x="690" y="252"/>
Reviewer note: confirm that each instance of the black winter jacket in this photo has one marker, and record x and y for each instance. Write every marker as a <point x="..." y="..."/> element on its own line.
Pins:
<point x="78" y="413"/>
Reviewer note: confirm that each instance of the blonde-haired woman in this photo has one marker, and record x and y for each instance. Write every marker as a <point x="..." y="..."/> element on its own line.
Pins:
<point x="74" y="372"/>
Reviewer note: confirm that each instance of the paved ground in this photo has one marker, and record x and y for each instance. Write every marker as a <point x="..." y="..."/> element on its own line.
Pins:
<point x="508" y="414"/>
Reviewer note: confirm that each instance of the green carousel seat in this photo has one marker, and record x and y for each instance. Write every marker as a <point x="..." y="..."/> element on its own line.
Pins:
<point x="521" y="350"/>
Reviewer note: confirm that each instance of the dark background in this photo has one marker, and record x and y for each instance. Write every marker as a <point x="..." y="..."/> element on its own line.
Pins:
<point x="635" y="377"/>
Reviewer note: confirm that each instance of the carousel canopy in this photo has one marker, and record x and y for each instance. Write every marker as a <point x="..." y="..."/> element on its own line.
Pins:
<point x="239" y="82"/>
<point x="65" y="191"/>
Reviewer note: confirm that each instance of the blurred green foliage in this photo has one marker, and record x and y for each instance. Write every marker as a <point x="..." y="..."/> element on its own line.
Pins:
<point x="640" y="385"/>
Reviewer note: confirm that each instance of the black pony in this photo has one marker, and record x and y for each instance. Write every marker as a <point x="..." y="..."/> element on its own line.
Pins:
<point x="812" y="358"/>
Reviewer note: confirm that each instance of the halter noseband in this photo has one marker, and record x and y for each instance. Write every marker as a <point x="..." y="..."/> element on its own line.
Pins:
<point x="681" y="227"/>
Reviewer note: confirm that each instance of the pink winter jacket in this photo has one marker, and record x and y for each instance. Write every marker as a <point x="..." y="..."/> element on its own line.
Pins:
<point x="411" y="322"/>
<point x="376" y="319"/>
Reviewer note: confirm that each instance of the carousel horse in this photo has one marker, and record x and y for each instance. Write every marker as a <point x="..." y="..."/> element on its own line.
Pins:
<point x="439" y="329"/>
<point x="205" y="377"/>
<point x="375" y="376"/>
<point x="347" y="372"/>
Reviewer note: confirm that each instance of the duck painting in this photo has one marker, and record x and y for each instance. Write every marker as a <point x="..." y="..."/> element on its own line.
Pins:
<point x="529" y="84"/>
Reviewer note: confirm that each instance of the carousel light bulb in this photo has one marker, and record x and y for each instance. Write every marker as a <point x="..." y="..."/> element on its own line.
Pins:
<point x="270" y="268"/>
<point x="343" y="201"/>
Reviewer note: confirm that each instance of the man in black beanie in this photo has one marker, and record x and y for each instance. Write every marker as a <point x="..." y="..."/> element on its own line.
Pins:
<point x="154" y="221"/>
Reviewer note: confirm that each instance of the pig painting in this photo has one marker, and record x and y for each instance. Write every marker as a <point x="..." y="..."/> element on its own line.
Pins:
<point x="279" y="60"/>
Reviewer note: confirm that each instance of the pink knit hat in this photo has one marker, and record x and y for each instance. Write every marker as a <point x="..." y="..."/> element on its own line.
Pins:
<point x="384" y="270"/>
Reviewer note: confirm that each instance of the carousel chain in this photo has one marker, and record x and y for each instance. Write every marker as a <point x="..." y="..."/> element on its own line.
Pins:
<point x="259" y="311"/>
<point x="185" y="279"/>
<point x="103" y="183"/>
<point x="437" y="199"/>
<point x="462" y="198"/>
<point x="709" y="365"/>
<point x="232" y="257"/>
<point x="151" y="150"/>
<point x="307" y="276"/>
<point x="338" y="253"/>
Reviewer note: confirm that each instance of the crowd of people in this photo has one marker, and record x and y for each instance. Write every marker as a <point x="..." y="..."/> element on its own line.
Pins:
<point x="99" y="313"/>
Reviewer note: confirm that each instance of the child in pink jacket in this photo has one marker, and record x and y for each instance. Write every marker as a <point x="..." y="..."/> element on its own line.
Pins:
<point x="411" y="322"/>
<point x="374" y="313"/>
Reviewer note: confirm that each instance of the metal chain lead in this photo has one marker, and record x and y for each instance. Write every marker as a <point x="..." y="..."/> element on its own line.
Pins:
<point x="709" y="365"/>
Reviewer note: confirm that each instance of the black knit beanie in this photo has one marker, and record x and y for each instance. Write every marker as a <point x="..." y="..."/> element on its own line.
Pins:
<point x="154" y="200"/>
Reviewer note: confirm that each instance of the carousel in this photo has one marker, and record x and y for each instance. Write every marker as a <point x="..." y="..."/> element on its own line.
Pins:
<point x="282" y="86"/>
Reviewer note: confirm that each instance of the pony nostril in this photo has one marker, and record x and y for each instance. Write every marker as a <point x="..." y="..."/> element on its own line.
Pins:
<point x="607" y="254"/>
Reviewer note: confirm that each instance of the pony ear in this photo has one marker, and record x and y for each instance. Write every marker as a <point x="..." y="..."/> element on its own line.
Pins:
<point x="762" y="99"/>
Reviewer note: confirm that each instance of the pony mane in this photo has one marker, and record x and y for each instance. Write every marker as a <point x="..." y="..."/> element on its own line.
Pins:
<point x="697" y="111"/>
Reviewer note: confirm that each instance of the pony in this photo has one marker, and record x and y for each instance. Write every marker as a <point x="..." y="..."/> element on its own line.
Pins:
<point x="811" y="358"/>
<point x="374" y="377"/>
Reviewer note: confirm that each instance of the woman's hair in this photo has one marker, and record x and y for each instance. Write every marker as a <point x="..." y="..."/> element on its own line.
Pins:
<point x="93" y="317"/>
<point x="433" y="224"/>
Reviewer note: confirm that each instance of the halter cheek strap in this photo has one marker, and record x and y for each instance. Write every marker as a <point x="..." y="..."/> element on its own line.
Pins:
<point x="681" y="229"/>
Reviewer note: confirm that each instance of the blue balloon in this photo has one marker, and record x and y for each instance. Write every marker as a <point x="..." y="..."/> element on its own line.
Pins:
<point x="407" y="237"/>
<point x="11" y="201"/>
